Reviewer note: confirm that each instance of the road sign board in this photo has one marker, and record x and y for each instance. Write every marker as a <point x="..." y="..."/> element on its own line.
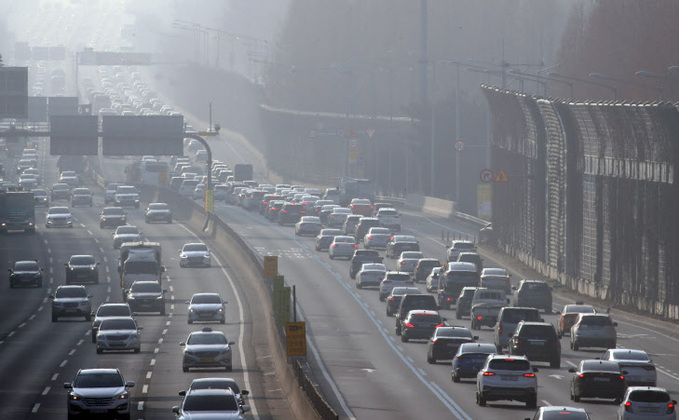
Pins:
<point x="460" y="146"/>
<point x="37" y="109"/>
<point x="501" y="177"/>
<point x="13" y="92"/>
<point x="209" y="201"/>
<point x="486" y="175"/>
<point x="143" y="135"/>
<point x="62" y="105"/>
<point x="270" y="266"/>
<point x="74" y="135"/>
<point x="295" y="338"/>
<point x="371" y="133"/>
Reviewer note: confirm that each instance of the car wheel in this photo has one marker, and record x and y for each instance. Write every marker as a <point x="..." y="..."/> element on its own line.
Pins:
<point x="229" y="368"/>
<point x="88" y="318"/>
<point x="576" y="346"/>
<point x="137" y="350"/>
<point x="532" y="401"/>
<point x="404" y="338"/>
<point x="359" y="285"/>
<point x="94" y="337"/>
<point x="100" y="351"/>
<point x="39" y="284"/>
<point x="185" y="368"/>
<point x="389" y="313"/>
<point x="381" y="298"/>
<point x="431" y="360"/>
<point x="576" y="398"/>
<point x="222" y="321"/>
<point x="457" y="314"/>
<point x="480" y="399"/>
<point x="331" y="257"/>
<point x="456" y="378"/>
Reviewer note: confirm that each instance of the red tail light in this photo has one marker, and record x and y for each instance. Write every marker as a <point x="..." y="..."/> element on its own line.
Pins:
<point x="334" y="245"/>
<point x="448" y="298"/>
<point x="355" y="246"/>
<point x="403" y="262"/>
<point x="622" y="378"/>
<point x="479" y="317"/>
<point x="409" y="325"/>
<point x="670" y="408"/>
<point x="529" y="375"/>
<point x="392" y="299"/>
<point x="370" y="237"/>
<point x="302" y="211"/>
<point x="628" y="407"/>
<point x="284" y="211"/>
<point x="499" y="328"/>
<point x="488" y="373"/>
<point x="440" y="325"/>
<point x="352" y="206"/>
<point x="581" y="375"/>
<point x="372" y="207"/>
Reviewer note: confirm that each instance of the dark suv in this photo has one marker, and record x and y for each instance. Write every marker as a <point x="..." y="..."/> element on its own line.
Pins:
<point x="364" y="225"/>
<point x="537" y="341"/>
<point x="394" y="298"/>
<point x="362" y="256"/>
<point x="290" y="213"/>
<point x="410" y="302"/>
<point x="25" y="273"/>
<point x="82" y="268"/>
<point x="424" y="267"/>
<point x="534" y="294"/>
<point x="420" y="325"/>
<point x="463" y="305"/>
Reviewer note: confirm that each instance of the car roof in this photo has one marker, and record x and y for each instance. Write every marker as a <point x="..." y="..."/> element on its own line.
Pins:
<point x="423" y="311"/>
<point x="94" y="371"/>
<point x="475" y="347"/>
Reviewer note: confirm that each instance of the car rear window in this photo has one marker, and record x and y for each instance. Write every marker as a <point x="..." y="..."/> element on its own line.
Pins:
<point x="453" y="332"/>
<point x="535" y="287"/>
<point x="422" y="302"/>
<point x="538" y="331"/>
<point x="649" y="396"/>
<point x="425" y="318"/>
<point x="596" y="321"/>
<point x="516" y="316"/>
<point x="398" y="276"/>
<point x="509" y="364"/>
<point x="622" y="355"/>
<point x="600" y="365"/>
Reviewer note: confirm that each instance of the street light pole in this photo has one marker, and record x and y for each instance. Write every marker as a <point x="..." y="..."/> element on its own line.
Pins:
<point x="613" y="89"/>
<point x="458" y="159"/>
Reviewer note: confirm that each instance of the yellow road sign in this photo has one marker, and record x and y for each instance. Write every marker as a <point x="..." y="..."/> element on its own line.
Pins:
<point x="209" y="201"/>
<point x="501" y="177"/>
<point x="295" y="338"/>
<point x="207" y="133"/>
<point x="270" y="266"/>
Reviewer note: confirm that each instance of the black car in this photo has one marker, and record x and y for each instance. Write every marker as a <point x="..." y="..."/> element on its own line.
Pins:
<point x="394" y="298"/>
<point x="411" y="301"/>
<point x="597" y="379"/>
<point x="112" y="217"/>
<point x="420" y="325"/>
<point x="362" y="256"/>
<point x="424" y="267"/>
<point x="445" y="342"/>
<point x="146" y="296"/>
<point x="25" y="273"/>
<point x="463" y="305"/>
<point x="82" y="268"/>
<point x="537" y="341"/>
<point x="290" y="213"/>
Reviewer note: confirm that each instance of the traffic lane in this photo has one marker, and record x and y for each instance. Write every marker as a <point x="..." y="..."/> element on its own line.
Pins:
<point x="343" y="326"/>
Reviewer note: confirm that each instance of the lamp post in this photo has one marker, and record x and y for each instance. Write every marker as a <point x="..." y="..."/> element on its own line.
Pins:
<point x="650" y="75"/>
<point x="626" y="82"/>
<point x="613" y="89"/>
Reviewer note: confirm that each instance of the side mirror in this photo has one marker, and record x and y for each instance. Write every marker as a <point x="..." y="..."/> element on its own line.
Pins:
<point x="92" y="313"/>
<point x="140" y="327"/>
<point x="164" y="291"/>
<point x="68" y="385"/>
<point x="444" y="319"/>
<point x="65" y="264"/>
<point x="51" y="296"/>
<point x="129" y="384"/>
<point x="615" y="324"/>
<point x="245" y="408"/>
<point x="476" y="337"/>
<point x="183" y="343"/>
<point x="244" y="392"/>
<point x="536" y="370"/>
<point x="163" y="269"/>
<point x="187" y="302"/>
<point x="175" y="409"/>
<point x="624" y="372"/>
<point x="182" y="393"/>
<point x="232" y="343"/>
<point x="9" y="269"/>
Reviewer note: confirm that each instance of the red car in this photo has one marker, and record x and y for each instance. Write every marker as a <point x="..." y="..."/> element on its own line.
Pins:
<point x="361" y="206"/>
<point x="569" y="314"/>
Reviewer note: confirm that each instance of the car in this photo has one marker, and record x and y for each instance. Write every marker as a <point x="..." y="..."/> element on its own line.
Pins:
<point x="453" y="251"/>
<point x="70" y="177"/>
<point x="25" y="163"/>
<point x="27" y="182"/>
<point x="409" y="302"/>
<point x="637" y="363"/>
<point x="431" y="283"/>
<point x="25" y="273"/>
<point x="361" y="206"/>
<point x="508" y="319"/>
<point x="98" y="391"/>
<point x="118" y="333"/>
<point x="290" y="213"/>
<point x="338" y="216"/>
<point x="342" y="246"/>
<point x="199" y="191"/>
<point x="400" y="243"/>
<point x="496" y="278"/>
<point x="112" y="217"/>
<point x="158" y="212"/>
<point x="34" y="172"/>
<point x="469" y="359"/>
<point x="393" y="279"/>
<point x="423" y="268"/>
<point x="446" y="341"/>
<point x="195" y="254"/>
<point x="569" y="315"/>
<point x="146" y="296"/>
<point x="82" y="268"/>
<point x="109" y="310"/>
<point x="370" y="274"/>
<point x="559" y="412"/>
<point x="207" y="307"/>
<point x="360" y="257"/>
<point x="71" y="301"/>
<point x="207" y="348"/>
<point x="647" y="403"/>
<point x="126" y="233"/>
<point x="325" y="237"/>
<point x="537" y="341"/>
<point x="507" y="378"/>
<point x="389" y="218"/>
<point x="463" y="304"/>
<point x="218" y="383"/>
<point x="395" y="296"/>
<point x="126" y="195"/>
<point x="407" y="261"/>
<point x="41" y="198"/>
<point x="420" y="324"/>
<point x="205" y="404"/>
<point x="534" y="294"/>
<point x="472" y="257"/>
<point x="350" y="223"/>
<point x="593" y="330"/>
<point x="221" y="192"/>
<point x="363" y="226"/>
<point x="110" y="192"/>
<point x="377" y="237"/>
<point x="274" y="208"/>
<point x="597" y="379"/>
<point x="58" y="217"/>
<point x="82" y="196"/>
<point x="308" y="226"/>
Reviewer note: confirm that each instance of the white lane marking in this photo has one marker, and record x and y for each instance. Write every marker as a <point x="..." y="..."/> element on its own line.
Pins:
<point x="105" y="259"/>
<point x="149" y="374"/>
<point x="81" y="340"/>
<point x="11" y="333"/>
<point x="35" y="408"/>
<point x="153" y="362"/>
<point x="23" y="324"/>
<point x="72" y="352"/>
<point x="241" y="333"/>
<point x="160" y="341"/>
<point x="140" y="406"/>
<point x="422" y="372"/>
<point x="545" y="402"/>
<point x="168" y="323"/>
<point x="164" y="332"/>
<point x="55" y="376"/>
<point x="410" y="359"/>
<point x="47" y="390"/>
<point x="145" y="389"/>
<point x="63" y="363"/>
<point x="571" y="363"/>
<point x="30" y="318"/>
<point x="89" y="232"/>
<point x="555" y="376"/>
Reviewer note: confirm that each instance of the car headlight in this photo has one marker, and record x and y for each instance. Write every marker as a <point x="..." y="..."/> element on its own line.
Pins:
<point x="220" y="310"/>
<point x="123" y="396"/>
<point x="159" y="297"/>
<point x="192" y="310"/>
<point x="103" y="219"/>
<point x="182" y="255"/>
<point x="93" y="268"/>
<point x="73" y="397"/>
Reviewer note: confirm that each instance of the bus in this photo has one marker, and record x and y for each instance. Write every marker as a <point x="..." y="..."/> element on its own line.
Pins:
<point x="154" y="173"/>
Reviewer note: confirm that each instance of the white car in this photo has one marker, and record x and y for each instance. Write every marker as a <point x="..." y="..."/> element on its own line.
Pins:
<point x="371" y="274"/>
<point x="338" y="216"/>
<point x="647" y="403"/>
<point x="377" y="237"/>
<point x="309" y="226"/>
<point x="118" y="333"/>
<point x="158" y="212"/>
<point x="593" y="330"/>
<point x="394" y="279"/>
<point x="208" y="404"/>
<point x="207" y="348"/>
<point x="638" y="364"/>
<point x="207" y="307"/>
<point x="58" y="217"/>
<point x="408" y="261"/>
<point x="218" y="383"/>
<point x="106" y="386"/>
<point x="505" y="377"/>
<point x="195" y="254"/>
<point x="125" y="233"/>
<point x="342" y="246"/>
<point x="126" y="195"/>
<point x="431" y="284"/>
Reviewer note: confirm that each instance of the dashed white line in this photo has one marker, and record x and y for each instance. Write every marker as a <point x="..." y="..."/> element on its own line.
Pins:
<point x="31" y="318"/>
<point x="156" y="350"/>
<point x="35" y="408"/>
<point x="63" y="363"/>
<point x="167" y="323"/>
<point x="164" y="332"/>
<point x="55" y="376"/>
<point x="145" y="389"/>
<point x="47" y="390"/>
<point x="11" y="333"/>
<point x="149" y="374"/>
<point x="160" y="341"/>
<point x="72" y="352"/>
<point x="23" y="324"/>
<point x="153" y="362"/>
<point x="140" y="406"/>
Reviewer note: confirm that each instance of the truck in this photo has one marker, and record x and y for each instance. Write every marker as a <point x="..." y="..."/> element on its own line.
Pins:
<point x="140" y="260"/>
<point x="71" y="163"/>
<point x="242" y="172"/>
<point x="486" y="305"/>
<point x="350" y="188"/>
<point x="457" y="275"/>
<point x="17" y="211"/>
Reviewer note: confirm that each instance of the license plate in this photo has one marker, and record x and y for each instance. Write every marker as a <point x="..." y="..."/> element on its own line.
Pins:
<point x="601" y="379"/>
<point x="509" y="378"/>
<point x="98" y="411"/>
<point x="538" y="343"/>
<point x="206" y="359"/>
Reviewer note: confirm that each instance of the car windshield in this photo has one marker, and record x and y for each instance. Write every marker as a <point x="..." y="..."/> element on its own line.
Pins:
<point x="70" y="292"/>
<point x="125" y="230"/>
<point x="194" y="247"/>
<point x="600" y="365"/>
<point x="631" y="355"/>
<point x="579" y="309"/>
<point x="82" y="260"/>
<point x="564" y="414"/>
<point x="98" y="380"/>
<point x="509" y="364"/>
<point x="207" y="338"/>
<point x="26" y="266"/>
<point x="453" y="332"/>
<point x="81" y="191"/>
<point x="146" y="287"/>
<point x="113" y="310"/>
<point x="220" y="383"/>
<point x="158" y="206"/>
<point x="649" y="396"/>
<point x="118" y="324"/>
<point x="399" y="277"/>
<point x="595" y="321"/>
<point x="206" y="299"/>
<point x="126" y="190"/>
<point x="58" y="210"/>
<point x="115" y="211"/>
<point x="210" y="403"/>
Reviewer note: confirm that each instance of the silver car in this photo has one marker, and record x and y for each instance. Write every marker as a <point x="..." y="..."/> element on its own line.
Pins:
<point x="126" y="233"/>
<point x="195" y="254"/>
<point x="431" y="284"/>
<point x="371" y="274"/>
<point x="408" y="261"/>
<point x="71" y="301"/>
<point x="377" y="237"/>
<point x="118" y="333"/>
<point x="98" y="390"/>
<point x="58" y="217"/>
<point x="106" y="311"/>
<point x="207" y="348"/>
<point x="342" y="246"/>
<point x="393" y="279"/>
<point x="637" y="363"/>
<point x="207" y="307"/>
<point x="593" y="330"/>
